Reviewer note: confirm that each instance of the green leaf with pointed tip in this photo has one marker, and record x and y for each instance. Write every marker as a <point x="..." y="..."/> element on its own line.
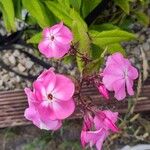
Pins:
<point x="7" y="9"/>
<point x="105" y="38"/>
<point x="36" y="38"/>
<point x="124" y="5"/>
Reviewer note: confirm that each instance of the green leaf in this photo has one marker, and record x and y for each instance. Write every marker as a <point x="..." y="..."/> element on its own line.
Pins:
<point x="142" y="18"/>
<point x="105" y="38"/>
<point x="104" y="26"/>
<point x="68" y="59"/>
<point x="36" y="38"/>
<point x="92" y="67"/>
<point x="7" y="8"/>
<point x="88" y="6"/>
<point x="38" y="11"/>
<point x="81" y="37"/>
<point x="96" y="51"/>
<point x="124" y="5"/>
<point x="76" y="4"/>
<point x="18" y="8"/>
<point x="62" y="14"/>
<point x="112" y="48"/>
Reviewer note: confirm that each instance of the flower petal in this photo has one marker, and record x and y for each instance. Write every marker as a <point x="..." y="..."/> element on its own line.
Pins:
<point x="64" y="36"/>
<point x="32" y="115"/>
<point x="129" y="84"/>
<point x="58" y="50"/>
<point x="108" y="81"/>
<point x="56" y="28"/>
<point x="119" y="88"/>
<point x="44" y="48"/>
<point x="64" y="88"/>
<point x="48" y="79"/>
<point x="39" y="91"/>
<point x="132" y="72"/>
<point x="63" y="109"/>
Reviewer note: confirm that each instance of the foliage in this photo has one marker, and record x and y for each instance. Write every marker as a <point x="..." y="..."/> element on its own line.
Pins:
<point x="104" y="34"/>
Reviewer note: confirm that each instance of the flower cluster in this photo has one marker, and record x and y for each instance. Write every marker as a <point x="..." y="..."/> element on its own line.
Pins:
<point x="95" y="130"/>
<point x="51" y="98"/>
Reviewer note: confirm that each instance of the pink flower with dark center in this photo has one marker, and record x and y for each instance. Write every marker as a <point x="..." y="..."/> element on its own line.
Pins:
<point x="95" y="130"/>
<point x="118" y="76"/>
<point x="52" y="96"/>
<point x="103" y="91"/>
<point x="56" y="41"/>
<point x="32" y="114"/>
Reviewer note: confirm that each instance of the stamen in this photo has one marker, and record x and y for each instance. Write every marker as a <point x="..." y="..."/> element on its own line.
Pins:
<point x="50" y="96"/>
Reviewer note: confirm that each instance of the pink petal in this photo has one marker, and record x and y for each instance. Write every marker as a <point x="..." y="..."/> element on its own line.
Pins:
<point x="113" y="116"/>
<point x="32" y="115"/>
<point x="56" y="28"/>
<point x="108" y="81"/>
<point x="101" y="140"/>
<point x="103" y="91"/>
<point x="116" y="58"/>
<point x="93" y="136"/>
<point x="58" y="50"/>
<point x="64" y="36"/>
<point x="63" y="109"/>
<point x="64" y="88"/>
<point x="82" y="138"/>
<point x="119" y="88"/>
<point x="39" y="91"/>
<point x="46" y="112"/>
<point x="46" y="33"/>
<point x="45" y="49"/>
<point x="30" y="95"/>
<point x="48" y="79"/>
<point x="132" y="73"/>
<point x="113" y="69"/>
<point x="129" y="84"/>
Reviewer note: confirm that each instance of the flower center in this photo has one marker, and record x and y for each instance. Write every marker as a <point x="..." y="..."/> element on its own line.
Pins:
<point x="52" y="37"/>
<point x="50" y="97"/>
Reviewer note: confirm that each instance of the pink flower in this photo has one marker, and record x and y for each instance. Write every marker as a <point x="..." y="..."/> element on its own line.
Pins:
<point x="51" y="98"/>
<point x="103" y="91"/>
<point x="33" y="115"/>
<point x="95" y="130"/>
<point x="56" y="41"/>
<point x="118" y="75"/>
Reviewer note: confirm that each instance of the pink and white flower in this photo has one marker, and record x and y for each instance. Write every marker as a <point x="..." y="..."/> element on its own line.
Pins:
<point x="51" y="98"/>
<point x="95" y="130"/>
<point x="119" y="75"/>
<point x="56" y="41"/>
<point x="32" y="114"/>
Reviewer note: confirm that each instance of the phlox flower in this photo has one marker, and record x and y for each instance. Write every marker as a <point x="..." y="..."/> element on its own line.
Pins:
<point x="118" y="76"/>
<point x="56" y="41"/>
<point x="51" y="98"/>
<point x="95" y="130"/>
